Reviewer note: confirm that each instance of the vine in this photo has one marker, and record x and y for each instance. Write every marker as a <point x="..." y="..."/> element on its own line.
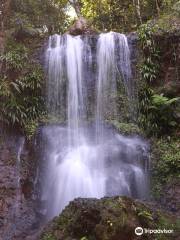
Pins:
<point x="156" y="112"/>
<point x="149" y="68"/>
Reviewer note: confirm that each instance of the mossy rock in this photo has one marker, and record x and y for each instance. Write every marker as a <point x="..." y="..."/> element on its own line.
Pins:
<point x="170" y="89"/>
<point x="165" y="168"/>
<point x="112" y="218"/>
<point x="126" y="128"/>
<point x="168" y="22"/>
<point x="81" y="26"/>
<point x="28" y="32"/>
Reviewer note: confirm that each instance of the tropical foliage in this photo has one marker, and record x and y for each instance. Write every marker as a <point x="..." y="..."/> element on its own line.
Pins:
<point x="157" y="115"/>
<point x="157" y="112"/>
<point x="20" y="87"/>
<point x="48" y="14"/>
<point x="167" y="167"/>
<point x="150" y="64"/>
<point x="118" y="15"/>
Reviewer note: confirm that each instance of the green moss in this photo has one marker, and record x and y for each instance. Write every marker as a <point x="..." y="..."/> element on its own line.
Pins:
<point x="168" y="21"/>
<point x="146" y="215"/>
<point x="165" y="222"/>
<point x="52" y="119"/>
<point x="84" y="238"/>
<point x="167" y="24"/>
<point x="107" y="219"/>
<point x="126" y="128"/>
<point x="49" y="237"/>
<point x="166" y="163"/>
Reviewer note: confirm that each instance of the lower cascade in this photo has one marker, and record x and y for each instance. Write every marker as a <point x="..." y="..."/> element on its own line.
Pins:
<point x="85" y="156"/>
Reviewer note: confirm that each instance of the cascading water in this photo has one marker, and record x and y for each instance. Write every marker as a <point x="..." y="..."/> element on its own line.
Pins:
<point x="110" y="67"/>
<point x="76" y="102"/>
<point x="86" y="158"/>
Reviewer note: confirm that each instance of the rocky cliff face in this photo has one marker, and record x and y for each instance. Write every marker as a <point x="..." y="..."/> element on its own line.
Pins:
<point x="17" y="208"/>
<point x="168" y="84"/>
<point x="169" y="45"/>
<point x="81" y="26"/>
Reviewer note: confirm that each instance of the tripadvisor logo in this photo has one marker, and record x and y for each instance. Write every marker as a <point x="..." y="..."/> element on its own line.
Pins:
<point x="139" y="231"/>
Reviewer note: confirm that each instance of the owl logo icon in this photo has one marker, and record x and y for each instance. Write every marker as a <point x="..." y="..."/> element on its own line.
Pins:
<point x="139" y="231"/>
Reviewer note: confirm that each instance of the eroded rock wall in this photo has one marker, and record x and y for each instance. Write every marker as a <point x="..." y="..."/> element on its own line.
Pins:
<point x="17" y="208"/>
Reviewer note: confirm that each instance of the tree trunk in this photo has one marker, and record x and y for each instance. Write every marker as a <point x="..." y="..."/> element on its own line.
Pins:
<point x="157" y="7"/>
<point x="137" y="10"/>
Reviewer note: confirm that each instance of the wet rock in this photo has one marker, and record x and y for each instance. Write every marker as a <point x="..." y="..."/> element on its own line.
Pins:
<point x="81" y="26"/>
<point x="23" y="32"/>
<point x="170" y="197"/>
<point x="171" y="88"/>
<point x="17" y="209"/>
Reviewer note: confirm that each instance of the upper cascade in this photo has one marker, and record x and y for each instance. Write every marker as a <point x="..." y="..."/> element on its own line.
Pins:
<point x="71" y="59"/>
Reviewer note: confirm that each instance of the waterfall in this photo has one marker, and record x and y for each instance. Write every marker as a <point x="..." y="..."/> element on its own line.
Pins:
<point x="55" y="80"/>
<point x="76" y="103"/>
<point x="84" y="156"/>
<point x="106" y="84"/>
<point x="110" y="66"/>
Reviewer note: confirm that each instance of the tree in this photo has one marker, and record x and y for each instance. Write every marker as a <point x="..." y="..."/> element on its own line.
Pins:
<point x="158" y="7"/>
<point x="138" y="10"/>
<point x="115" y="15"/>
<point x="39" y="13"/>
<point x="119" y="15"/>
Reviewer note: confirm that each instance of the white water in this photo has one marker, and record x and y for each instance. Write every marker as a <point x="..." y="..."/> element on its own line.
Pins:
<point x="75" y="104"/>
<point x="110" y="65"/>
<point x="81" y="159"/>
<point x="20" y="146"/>
<point x="55" y="78"/>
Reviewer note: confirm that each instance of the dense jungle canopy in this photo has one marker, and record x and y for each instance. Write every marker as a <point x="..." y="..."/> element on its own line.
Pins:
<point x="114" y="15"/>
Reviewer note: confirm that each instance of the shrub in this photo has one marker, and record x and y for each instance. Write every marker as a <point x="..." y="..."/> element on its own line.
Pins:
<point x="157" y="115"/>
<point x="166" y="163"/>
<point x="20" y="87"/>
<point x="126" y="128"/>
